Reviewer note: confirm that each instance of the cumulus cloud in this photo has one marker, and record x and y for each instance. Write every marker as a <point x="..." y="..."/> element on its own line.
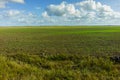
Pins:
<point x="4" y="2"/>
<point x="18" y="17"/>
<point x="12" y="13"/>
<point x="17" y="1"/>
<point x="88" y="11"/>
<point x="45" y="14"/>
<point x="63" y="9"/>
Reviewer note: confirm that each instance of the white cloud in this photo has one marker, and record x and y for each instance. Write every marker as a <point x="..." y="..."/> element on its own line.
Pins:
<point x="91" y="5"/>
<point x="4" y="2"/>
<point x="63" y="9"/>
<point x="17" y="1"/>
<point x="12" y="13"/>
<point x="45" y="14"/>
<point x="85" y="12"/>
<point x="81" y="13"/>
<point x="18" y="17"/>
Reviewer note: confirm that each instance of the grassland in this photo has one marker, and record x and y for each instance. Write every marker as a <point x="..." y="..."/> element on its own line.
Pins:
<point x="59" y="53"/>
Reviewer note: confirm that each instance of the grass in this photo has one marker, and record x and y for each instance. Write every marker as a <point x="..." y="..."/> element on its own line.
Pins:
<point x="59" y="53"/>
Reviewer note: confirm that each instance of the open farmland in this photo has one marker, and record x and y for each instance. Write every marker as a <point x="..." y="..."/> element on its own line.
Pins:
<point x="59" y="53"/>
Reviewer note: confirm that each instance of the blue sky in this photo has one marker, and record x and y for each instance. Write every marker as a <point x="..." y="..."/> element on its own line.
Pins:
<point x="59" y="12"/>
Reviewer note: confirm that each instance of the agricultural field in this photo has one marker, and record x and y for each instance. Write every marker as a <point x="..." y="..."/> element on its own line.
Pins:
<point x="59" y="53"/>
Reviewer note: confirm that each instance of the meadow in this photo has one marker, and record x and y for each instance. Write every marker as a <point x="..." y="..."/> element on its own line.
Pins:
<point x="59" y="53"/>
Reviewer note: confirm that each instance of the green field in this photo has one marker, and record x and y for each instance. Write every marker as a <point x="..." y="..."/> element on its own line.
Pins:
<point x="59" y="53"/>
